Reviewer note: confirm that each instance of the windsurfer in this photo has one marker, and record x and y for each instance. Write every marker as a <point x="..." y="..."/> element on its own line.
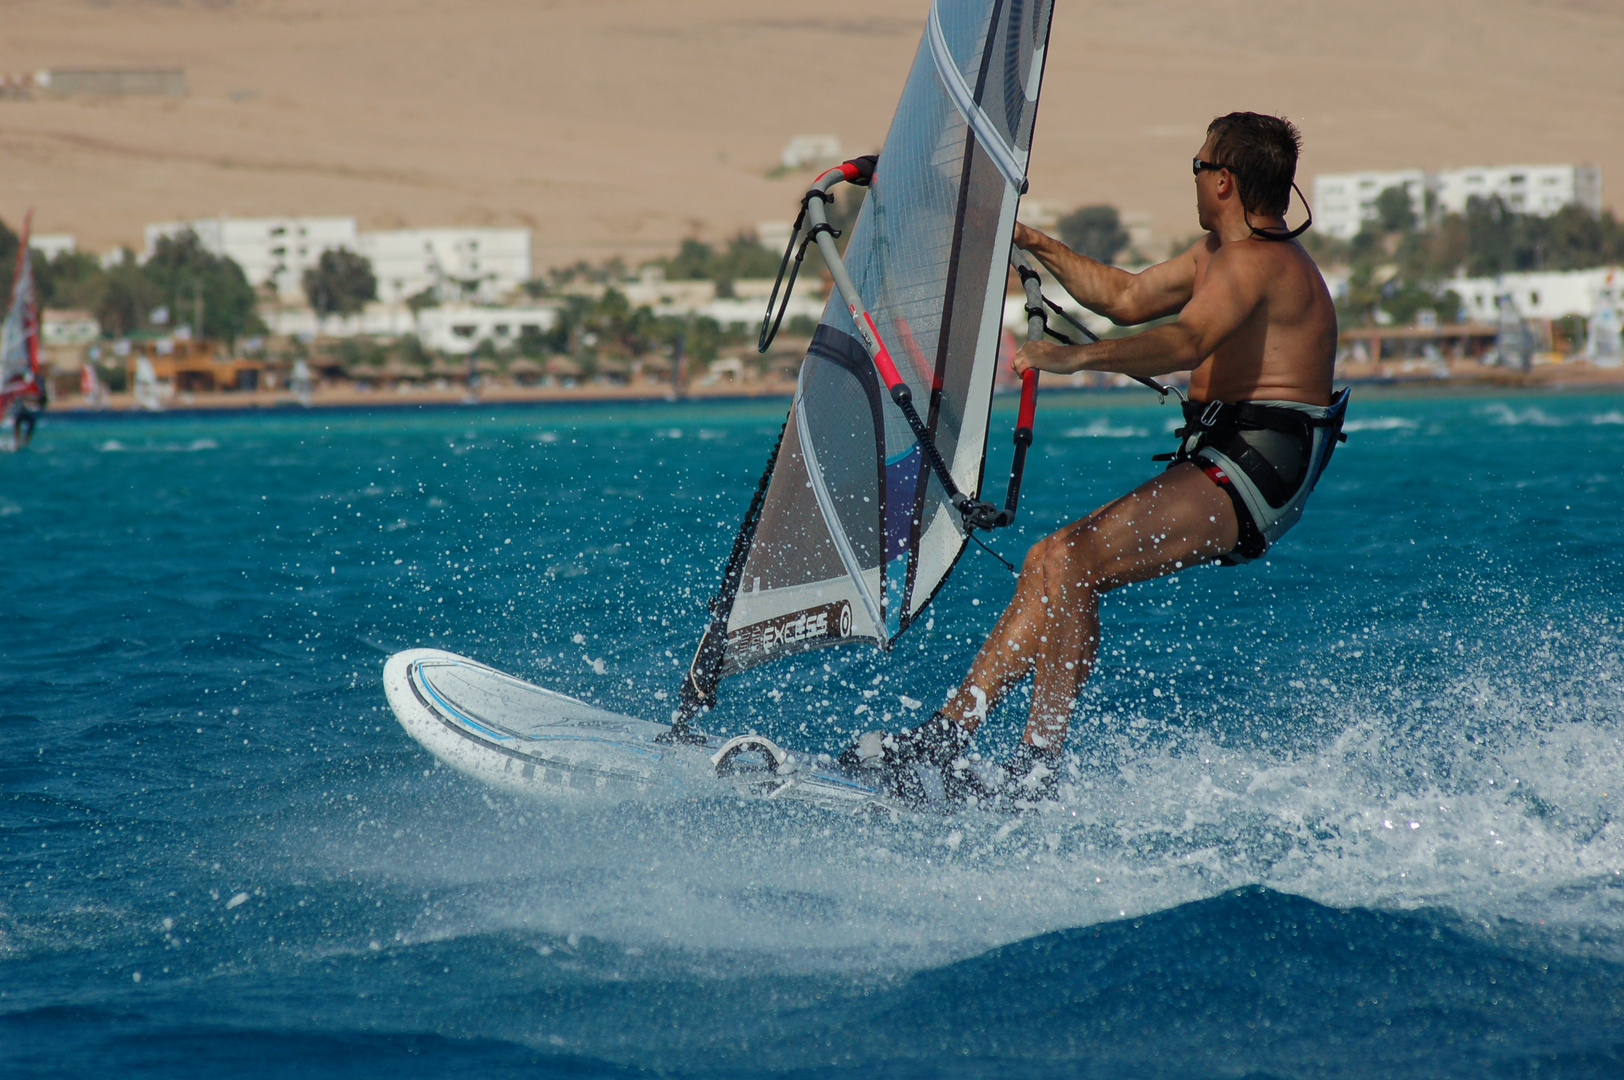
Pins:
<point x="1257" y="330"/>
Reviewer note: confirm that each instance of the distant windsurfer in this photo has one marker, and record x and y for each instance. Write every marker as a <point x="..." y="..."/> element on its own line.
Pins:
<point x="1257" y="330"/>
<point x="22" y="427"/>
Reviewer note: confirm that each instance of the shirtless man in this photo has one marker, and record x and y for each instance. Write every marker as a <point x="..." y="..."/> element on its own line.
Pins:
<point x="1257" y="331"/>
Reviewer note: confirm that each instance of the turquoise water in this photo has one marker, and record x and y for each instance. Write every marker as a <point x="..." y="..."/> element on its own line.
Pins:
<point x="1349" y="812"/>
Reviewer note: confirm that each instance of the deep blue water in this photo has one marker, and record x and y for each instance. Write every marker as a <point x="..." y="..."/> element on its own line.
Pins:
<point x="1349" y="813"/>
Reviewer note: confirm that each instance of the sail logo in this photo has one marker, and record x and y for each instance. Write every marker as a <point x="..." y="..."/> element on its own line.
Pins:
<point x="789" y="631"/>
<point x="796" y="629"/>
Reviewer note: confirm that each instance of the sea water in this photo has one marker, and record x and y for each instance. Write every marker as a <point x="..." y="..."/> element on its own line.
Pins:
<point x="1350" y="811"/>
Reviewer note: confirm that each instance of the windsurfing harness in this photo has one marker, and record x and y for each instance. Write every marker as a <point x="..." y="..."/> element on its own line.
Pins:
<point x="1267" y="455"/>
<point x="873" y="488"/>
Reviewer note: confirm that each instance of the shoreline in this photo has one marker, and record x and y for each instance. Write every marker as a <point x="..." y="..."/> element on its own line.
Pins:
<point x="122" y="406"/>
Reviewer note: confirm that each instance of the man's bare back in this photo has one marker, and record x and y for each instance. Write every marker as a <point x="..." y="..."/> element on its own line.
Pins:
<point x="1257" y="330"/>
<point x="1255" y="321"/>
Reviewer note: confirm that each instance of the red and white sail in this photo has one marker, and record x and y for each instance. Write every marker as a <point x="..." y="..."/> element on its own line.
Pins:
<point x="20" y="378"/>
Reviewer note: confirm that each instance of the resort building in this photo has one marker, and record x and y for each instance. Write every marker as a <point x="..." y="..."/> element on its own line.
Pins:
<point x="1343" y="202"/>
<point x="1528" y="189"/>
<point x="271" y="251"/>
<point x="50" y="245"/>
<point x="456" y="264"/>
<point x="460" y="328"/>
<point x="374" y="320"/>
<point x="1554" y="294"/>
<point x="112" y="82"/>
<point x="810" y="151"/>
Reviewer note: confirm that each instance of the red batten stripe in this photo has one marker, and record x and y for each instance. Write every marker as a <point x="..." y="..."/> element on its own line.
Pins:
<point x="1029" y="400"/>
<point x="882" y="358"/>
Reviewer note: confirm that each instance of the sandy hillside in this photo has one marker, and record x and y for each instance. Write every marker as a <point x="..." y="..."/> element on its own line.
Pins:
<point x="622" y="125"/>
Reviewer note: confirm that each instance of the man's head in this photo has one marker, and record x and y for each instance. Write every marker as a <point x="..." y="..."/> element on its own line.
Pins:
<point x="1261" y="152"/>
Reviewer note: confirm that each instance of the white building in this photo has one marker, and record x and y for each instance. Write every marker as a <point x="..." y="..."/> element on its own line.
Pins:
<point x="459" y="328"/>
<point x="1343" y="202"/>
<point x="69" y="328"/>
<point x="271" y="251"/>
<point x="805" y="151"/>
<point x="455" y="328"/>
<point x="50" y="245"/>
<point x="373" y="320"/>
<point x="1528" y="189"/>
<point x="459" y="264"/>
<point x="1552" y="294"/>
<point x="745" y="308"/>
<point x="774" y="235"/>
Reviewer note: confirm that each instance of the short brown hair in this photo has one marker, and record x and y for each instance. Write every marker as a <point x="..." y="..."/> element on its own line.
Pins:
<point x="1262" y="153"/>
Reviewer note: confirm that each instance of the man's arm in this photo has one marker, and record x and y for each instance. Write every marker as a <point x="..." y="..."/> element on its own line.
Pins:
<point x="1230" y="294"/>
<point x="1126" y="299"/>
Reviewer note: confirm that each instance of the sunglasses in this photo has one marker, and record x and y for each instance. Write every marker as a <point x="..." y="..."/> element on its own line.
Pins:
<point x="1197" y="166"/>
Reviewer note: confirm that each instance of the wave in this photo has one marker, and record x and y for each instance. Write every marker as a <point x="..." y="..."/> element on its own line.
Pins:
<point x="114" y="446"/>
<point x="1382" y="423"/>
<point x="1612" y="416"/>
<point x="1103" y="429"/>
<point x="1248" y="982"/>
<point x="1533" y="416"/>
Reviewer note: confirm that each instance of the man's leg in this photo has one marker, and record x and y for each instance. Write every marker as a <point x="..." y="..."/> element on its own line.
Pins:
<point x="1052" y="627"/>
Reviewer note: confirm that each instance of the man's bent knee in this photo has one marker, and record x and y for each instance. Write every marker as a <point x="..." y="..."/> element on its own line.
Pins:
<point x="1037" y="556"/>
<point x="1074" y="562"/>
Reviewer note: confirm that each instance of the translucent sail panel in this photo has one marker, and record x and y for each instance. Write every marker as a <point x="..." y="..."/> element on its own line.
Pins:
<point x="929" y="255"/>
<point x="854" y="534"/>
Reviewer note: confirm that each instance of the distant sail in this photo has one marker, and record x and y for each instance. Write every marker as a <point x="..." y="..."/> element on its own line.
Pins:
<point x="851" y="534"/>
<point x="147" y="394"/>
<point x="19" y="335"/>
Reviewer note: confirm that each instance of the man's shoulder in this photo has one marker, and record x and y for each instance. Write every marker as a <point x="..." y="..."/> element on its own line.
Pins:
<point x="1270" y="259"/>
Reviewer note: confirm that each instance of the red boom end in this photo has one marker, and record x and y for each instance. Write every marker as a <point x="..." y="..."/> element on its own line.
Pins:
<point x="1029" y="399"/>
<point x="882" y="358"/>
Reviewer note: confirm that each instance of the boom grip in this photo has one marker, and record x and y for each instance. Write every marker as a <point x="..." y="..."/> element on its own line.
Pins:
<point x="1029" y="404"/>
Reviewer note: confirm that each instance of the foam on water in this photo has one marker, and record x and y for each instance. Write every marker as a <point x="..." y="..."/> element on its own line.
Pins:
<point x="1493" y="800"/>
<point x="1500" y="413"/>
<point x="1102" y="428"/>
<point x="1381" y="423"/>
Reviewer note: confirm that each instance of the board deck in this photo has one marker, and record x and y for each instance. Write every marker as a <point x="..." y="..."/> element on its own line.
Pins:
<point x="532" y="741"/>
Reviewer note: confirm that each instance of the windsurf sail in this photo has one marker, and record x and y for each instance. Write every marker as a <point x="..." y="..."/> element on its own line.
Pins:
<point x="90" y="386"/>
<point x="300" y="381"/>
<point x="148" y="396"/>
<point x="870" y="494"/>
<point x="21" y="384"/>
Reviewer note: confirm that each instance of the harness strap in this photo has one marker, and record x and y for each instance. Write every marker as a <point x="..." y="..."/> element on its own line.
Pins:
<point x="1201" y="417"/>
<point x="1216" y="414"/>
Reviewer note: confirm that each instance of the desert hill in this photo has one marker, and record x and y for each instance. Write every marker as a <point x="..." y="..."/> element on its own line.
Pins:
<point x="620" y="126"/>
